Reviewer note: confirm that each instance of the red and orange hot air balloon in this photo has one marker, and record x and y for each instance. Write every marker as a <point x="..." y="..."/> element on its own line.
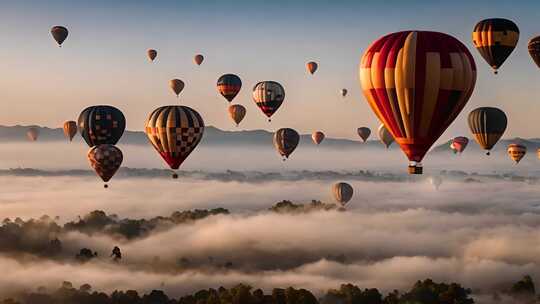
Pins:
<point x="459" y="144"/>
<point x="417" y="82"/>
<point x="312" y="67"/>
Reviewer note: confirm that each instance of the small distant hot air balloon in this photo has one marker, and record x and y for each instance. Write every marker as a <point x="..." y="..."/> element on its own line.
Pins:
<point x="386" y="138"/>
<point x="405" y="79"/>
<point x="453" y="148"/>
<point x="268" y="95"/>
<point x="237" y="113"/>
<point x="229" y="85"/>
<point x="198" y="59"/>
<point x="312" y="67"/>
<point x="436" y="181"/>
<point x="174" y="131"/>
<point x="538" y="153"/>
<point x="152" y="54"/>
<point x="495" y="39"/>
<point x="364" y="133"/>
<point x="344" y="92"/>
<point x="105" y="159"/>
<point x="534" y="49"/>
<point x="101" y="125"/>
<point x="59" y="34"/>
<point x="459" y="144"/>
<point x="317" y="137"/>
<point x="516" y="152"/>
<point x="285" y="141"/>
<point x="343" y="192"/>
<point x="32" y="134"/>
<point x="70" y="129"/>
<point x="487" y="125"/>
<point x="177" y="86"/>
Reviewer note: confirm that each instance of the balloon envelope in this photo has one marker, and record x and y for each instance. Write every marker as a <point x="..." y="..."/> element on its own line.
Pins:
<point x="495" y="39"/>
<point x="312" y="67"/>
<point x="516" y="152"/>
<point x="101" y="125"/>
<point x="534" y="50"/>
<point x="268" y="95"/>
<point x="105" y="159"/>
<point x="59" y="34"/>
<point x="344" y="92"/>
<point x="229" y="85"/>
<point x="198" y="59"/>
<point x="417" y="82"/>
<point x="364" y="133"/>
<point x="70" y="129"/>
<point x="343" y="192"/>
<point x="487" y="124"/>
<point x="32" y="134"/>
<point x="386" y="138"/>
<point x="285" y="141"/>
<point x="152" y="54"/>
<point x="459" y="143"/>
<point x="436" y="181"/>
<point x="317" y="137"/>
<point x="237" y="113"/>
<point x="176" y="85"/>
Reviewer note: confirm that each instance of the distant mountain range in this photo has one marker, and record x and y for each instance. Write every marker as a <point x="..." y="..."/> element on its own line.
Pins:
<point x="215" y="136"/>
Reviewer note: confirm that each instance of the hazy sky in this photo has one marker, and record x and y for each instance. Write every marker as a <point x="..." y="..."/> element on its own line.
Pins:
<point x="104" y="61"/>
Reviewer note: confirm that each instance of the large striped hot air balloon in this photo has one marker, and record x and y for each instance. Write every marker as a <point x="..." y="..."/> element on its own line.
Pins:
<point x="105" y="159"/>
<point x="317" y="137"/>
<point x="495" y="39"/>
<point x="229" y="85"/>
<point x="285" y="141"/>
<point x="174" y="131"/>
<point x="268" y="95"/>
<point x="101" y="125"/>
<point x="60" y="34"/>
<point x="342" y="192"/>
<point x="487" y="124"/>
<point x="417" y="83"/>
<point x="516" y="152"/>
<point x="70" y="129"/>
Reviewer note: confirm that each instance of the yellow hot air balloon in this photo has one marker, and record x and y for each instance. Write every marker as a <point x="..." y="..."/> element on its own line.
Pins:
<point x="176" y="85"/>
<point x="343" y="192"/>
<point x="495" y="39"/>
<point x="516" y="152"/>
<point x="386" y="138"/>
<point x="317" y="137"/>
<point x="152" y="54"/>
<point x="70" y="129"/>
<point x="237" y="113"/>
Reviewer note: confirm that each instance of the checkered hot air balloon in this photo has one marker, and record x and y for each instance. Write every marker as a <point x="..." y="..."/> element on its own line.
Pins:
<point x="105" y="159"/>
<point x="101" y="125"/>
<point x="417" y="82"/>
<point x="174" y="131"/>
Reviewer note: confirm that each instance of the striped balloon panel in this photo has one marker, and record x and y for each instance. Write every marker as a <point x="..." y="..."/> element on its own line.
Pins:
<point x="229" y="85"/>
<point x="487" y="124"/>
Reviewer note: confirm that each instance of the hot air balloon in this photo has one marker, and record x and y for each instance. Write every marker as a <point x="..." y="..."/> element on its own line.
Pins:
<point x="174" y="131"/>
<point x="268" y="95"/>
<point x="385" y="137"/>
<point x="436" y="181"/>
<point x="59" y="34"/>
<point x="285" y="141"/>
<point x="317" y="137"/>
<point x="344" y="92"/>
<point x="487" y="125"/>
<point x="176" y="85"/>
<point x="70" y="129"/>
<point x="459" y="143"/>
<point x="312" y="67"/>
<point x="453" y="148"/>
<point x="534" y="49"/>
<point x="516" y="152"/>
<point x="364" y="133"/>
<point x="101" y="125"/>
<point x="343" y="192"/>
<point x="152" y="54"/>
<point x="105" y="159"/>
<point x="495" y="39"/>
<point x="229" y="85"/>
<point x="538" y="153"/>
<point x="237" y="113"/>
<point x="198" y="59"/>
<point x="417" y="82"/>
<point x="32" y="134"/>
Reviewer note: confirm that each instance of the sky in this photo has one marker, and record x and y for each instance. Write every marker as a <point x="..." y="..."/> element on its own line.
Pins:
<point x="104" y="59"/>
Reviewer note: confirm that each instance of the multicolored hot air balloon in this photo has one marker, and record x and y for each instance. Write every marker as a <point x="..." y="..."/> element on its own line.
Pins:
<point x="534" y="49"/>
<point x="317" y="137"/>
<point x="229" y="85"/>
<point x="384" y="136"/>
<point x="487" y="125"/>
<point x="436" y="181"/>
<point x="417" y="83"/>
<point x="177" y="86"/>
<point x="268" y="95"/>
<point x="59" y="34"/>
<point x="285" y="141"/>
<point x="516" y="152"/>
<point x="364" y="133"/>
<point x="237" y="113"/>
<point x="312" y="67"/>
<point x="101" y="125"/>
<point x="198" y="59"/>
<point x="32" y="134"/>
<point x="495" y="39"/>
<point x="152" y="54"/>
<point x="459" y="144"/>
<point x="70" y="129"/>
<point x="105" y="159"/>
<point x="344" y="92"/>
<point x="343" y="193"/>
<point x="174" y="131"/>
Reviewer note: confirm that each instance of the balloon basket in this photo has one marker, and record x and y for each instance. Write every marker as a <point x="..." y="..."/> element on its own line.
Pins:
<point x="175" y="175"/>
<point x="415" y="169"/>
